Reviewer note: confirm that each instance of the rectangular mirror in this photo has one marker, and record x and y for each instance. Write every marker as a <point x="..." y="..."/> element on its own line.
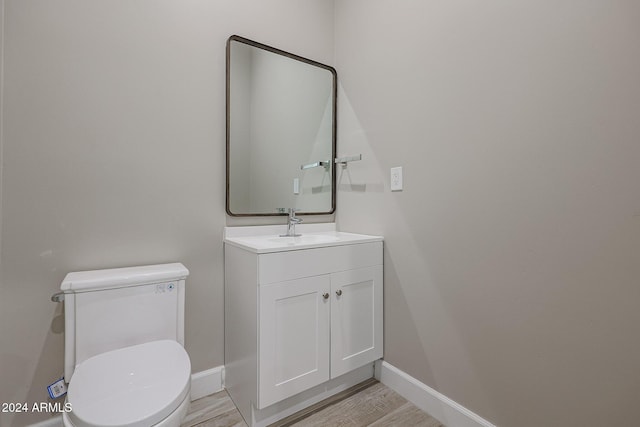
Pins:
<point x="281" y="131"/>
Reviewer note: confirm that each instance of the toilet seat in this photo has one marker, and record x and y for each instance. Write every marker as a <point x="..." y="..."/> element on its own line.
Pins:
<point x="137" y="386"/>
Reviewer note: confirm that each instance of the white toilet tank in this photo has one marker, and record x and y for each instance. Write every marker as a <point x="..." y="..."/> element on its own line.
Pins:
<point x="111" y="309"/>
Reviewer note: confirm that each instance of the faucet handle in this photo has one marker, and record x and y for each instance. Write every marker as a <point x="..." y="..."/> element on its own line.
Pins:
<point x="293" y="219"/>
<point x="292" y="213"/>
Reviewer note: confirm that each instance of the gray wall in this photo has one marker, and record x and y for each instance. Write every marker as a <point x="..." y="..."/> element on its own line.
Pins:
<point x="512" y="261"/>
<point x="113" y="153"/>
<point x="512" y="256"/>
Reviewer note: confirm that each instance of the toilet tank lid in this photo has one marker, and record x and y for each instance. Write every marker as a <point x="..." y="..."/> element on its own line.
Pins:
<point x="121" y="277"/>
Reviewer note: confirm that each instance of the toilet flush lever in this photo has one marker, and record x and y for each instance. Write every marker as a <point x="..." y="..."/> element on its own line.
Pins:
<point x="59" y="297"/>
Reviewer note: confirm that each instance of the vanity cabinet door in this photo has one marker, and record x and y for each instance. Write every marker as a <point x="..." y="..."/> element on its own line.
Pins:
<point x="356" y="318"/>
<point x="293" y="337"/>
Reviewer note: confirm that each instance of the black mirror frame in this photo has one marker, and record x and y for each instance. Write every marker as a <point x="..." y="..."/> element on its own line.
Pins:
<point x="228" y="121"/>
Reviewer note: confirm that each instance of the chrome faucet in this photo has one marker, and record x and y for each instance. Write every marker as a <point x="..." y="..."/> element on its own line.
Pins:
<point x="291" y="224"/>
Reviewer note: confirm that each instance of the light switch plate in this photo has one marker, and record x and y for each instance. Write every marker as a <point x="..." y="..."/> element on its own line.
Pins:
<point x="396" y="179"/>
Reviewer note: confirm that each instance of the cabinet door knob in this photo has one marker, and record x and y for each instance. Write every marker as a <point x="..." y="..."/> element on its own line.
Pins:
<point x="325" y="296"/>
<point x="339" y="292"/>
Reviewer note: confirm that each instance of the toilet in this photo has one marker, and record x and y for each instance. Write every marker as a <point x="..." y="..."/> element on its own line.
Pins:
<point x="125" y="363"/>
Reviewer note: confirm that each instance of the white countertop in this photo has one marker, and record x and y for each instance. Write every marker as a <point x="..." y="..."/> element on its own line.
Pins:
<point x="266" y="239"/>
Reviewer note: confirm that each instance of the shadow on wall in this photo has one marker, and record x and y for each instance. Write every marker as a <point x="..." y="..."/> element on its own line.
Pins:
<point x="424" y="330"/>
<point x="354" y="186"/>
<point x="53" y="349"/>
<point x="404" y="350"/>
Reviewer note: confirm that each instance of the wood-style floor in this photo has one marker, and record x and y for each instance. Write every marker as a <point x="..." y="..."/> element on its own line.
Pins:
<point x="376" y="405"/>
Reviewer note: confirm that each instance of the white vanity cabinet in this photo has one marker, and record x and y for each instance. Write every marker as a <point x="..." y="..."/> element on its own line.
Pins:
<point x="316" y="328"/>
<point x="298" y="318"/>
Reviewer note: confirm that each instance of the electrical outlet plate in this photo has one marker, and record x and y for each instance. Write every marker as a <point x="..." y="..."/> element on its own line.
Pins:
<point x="396" y="179"/>
<point x="57" y="389"/>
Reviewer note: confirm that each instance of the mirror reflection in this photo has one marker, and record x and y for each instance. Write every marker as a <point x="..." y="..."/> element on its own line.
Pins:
<point x="280" y="131"/>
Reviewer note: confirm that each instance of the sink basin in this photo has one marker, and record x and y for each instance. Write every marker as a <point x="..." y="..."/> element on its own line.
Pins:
<point x="265" y="239"/>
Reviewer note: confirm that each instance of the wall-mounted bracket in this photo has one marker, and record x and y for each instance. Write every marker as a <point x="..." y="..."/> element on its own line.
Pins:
<point x="322" y="163"/>
<point x="344" y="160"/>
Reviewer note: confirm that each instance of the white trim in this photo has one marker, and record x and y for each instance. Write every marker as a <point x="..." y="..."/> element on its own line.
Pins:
<point x="439" y="406"/>
<point x="203" y="383"/>
<point x="207" y="382"/>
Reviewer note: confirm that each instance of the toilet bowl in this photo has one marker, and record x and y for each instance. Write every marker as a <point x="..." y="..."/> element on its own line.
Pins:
<point x="124" y="359"/>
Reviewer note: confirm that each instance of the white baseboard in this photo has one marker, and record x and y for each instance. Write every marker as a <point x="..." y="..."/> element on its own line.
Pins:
<point x="436" y="404"/>
<point x="207" y="382"/>
<point x="203" y="384"/>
